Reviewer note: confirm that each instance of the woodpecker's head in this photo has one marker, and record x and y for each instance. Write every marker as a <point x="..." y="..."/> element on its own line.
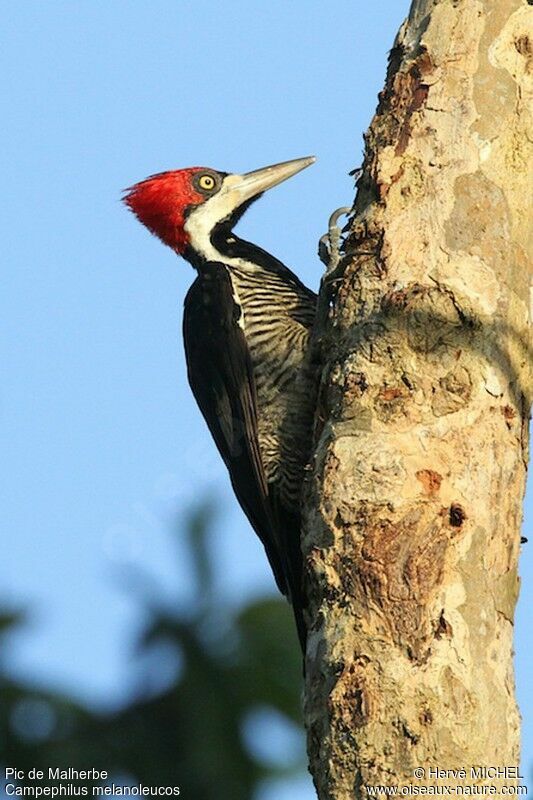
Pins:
<point x="183" y="207"/>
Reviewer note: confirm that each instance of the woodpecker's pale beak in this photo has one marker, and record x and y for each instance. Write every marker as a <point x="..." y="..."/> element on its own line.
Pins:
<point x="253" y="183"/>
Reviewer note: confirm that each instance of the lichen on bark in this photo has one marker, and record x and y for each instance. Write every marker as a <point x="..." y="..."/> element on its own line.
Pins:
<point x="413" y="506"/>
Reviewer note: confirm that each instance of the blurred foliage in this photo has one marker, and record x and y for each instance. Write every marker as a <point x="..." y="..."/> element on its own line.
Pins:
<point x="223" y="665"/>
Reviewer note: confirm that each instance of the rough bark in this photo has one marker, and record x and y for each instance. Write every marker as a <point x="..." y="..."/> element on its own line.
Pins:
<point x="413" y="507"/>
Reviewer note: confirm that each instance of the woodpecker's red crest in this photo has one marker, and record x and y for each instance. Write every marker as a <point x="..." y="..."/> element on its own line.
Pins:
<point x="160" y="201"/>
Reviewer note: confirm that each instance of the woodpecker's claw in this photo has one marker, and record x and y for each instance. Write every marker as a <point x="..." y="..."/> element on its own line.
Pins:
<point x="329" y="244"/>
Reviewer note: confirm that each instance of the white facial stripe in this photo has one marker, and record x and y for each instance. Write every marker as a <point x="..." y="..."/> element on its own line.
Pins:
<point x="203" y="219"/>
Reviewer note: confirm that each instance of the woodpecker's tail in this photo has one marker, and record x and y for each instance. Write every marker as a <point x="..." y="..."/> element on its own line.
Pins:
<point x="289" y="532"/>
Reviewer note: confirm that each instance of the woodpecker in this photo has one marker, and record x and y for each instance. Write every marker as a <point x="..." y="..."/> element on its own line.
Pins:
<point x="247" y="322"/>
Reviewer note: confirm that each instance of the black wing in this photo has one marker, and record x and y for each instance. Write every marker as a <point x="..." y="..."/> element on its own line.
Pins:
<point x="221" y="378"/>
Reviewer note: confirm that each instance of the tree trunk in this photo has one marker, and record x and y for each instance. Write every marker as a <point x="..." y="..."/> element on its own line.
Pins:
<point x="413" y="507"/>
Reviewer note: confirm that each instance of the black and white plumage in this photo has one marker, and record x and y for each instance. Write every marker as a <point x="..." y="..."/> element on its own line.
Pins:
<point x="247" y="321"/>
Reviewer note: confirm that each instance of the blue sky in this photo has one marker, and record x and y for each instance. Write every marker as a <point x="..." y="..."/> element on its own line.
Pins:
<point x="101" y="437"/>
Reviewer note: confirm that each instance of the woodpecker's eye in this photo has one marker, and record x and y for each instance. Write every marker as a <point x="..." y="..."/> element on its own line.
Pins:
<point x="206" y="182"/>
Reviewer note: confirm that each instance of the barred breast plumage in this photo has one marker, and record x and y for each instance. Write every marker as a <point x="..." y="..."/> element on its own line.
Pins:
<point x="277" y="320"/>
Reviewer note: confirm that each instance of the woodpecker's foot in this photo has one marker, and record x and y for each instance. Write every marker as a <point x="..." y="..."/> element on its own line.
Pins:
<point x="329" y="253"/>
<point x="329" y="244"/>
